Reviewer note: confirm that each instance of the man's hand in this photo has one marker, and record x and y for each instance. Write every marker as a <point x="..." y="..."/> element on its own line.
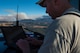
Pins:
<point x="23" y="45"/>
<point x="34" y="41"/>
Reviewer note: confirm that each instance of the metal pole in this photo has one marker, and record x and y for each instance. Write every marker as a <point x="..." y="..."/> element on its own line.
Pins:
<point x="17" y="22"/>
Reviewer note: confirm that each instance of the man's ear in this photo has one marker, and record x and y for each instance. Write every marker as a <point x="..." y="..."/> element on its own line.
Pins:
<point x="57" y="4"/>
<point x="55" y="1"/>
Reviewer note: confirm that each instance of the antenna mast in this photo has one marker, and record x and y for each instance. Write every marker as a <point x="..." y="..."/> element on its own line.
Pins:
<point x="17" y="22"/>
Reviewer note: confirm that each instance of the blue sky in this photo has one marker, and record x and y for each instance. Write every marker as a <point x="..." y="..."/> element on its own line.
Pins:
<point x="27" y="8"/>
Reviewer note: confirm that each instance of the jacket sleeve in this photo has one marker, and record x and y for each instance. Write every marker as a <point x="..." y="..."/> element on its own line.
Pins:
<point x="55" y="44"/>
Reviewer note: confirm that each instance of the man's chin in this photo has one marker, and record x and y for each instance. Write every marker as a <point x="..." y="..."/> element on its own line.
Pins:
<point x="52" y="17"/>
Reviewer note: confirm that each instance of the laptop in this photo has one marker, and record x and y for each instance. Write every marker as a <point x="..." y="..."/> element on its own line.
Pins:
<point x="12" y="34"/>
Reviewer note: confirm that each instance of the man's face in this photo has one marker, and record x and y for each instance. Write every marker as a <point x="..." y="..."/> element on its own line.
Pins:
<point x="55" y="8"/>
<point x="50" y="8"/>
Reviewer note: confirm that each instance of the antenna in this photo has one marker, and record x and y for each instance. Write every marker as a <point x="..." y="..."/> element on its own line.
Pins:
<point x="17" y="22"/>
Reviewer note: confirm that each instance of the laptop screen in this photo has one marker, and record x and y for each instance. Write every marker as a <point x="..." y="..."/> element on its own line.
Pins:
<point x="12" y="34"/>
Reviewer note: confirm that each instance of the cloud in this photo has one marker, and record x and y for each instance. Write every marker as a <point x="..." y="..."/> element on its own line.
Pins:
<point x="10" y="11"/>
<point x="13" y="14"/>
<point x="7" y="18"/>
<point x="22" y="16"/>
<point x="35" y="16"/>
<point x="12" y="17"/>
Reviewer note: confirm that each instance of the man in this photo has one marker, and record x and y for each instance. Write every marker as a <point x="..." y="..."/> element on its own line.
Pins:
<point x="63" y="35"/>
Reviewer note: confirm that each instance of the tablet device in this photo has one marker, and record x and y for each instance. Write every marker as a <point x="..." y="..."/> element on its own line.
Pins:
<point x="12" y="34"/>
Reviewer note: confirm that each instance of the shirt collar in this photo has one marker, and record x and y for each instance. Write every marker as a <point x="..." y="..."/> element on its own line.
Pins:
<point x="71" y="10"/>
